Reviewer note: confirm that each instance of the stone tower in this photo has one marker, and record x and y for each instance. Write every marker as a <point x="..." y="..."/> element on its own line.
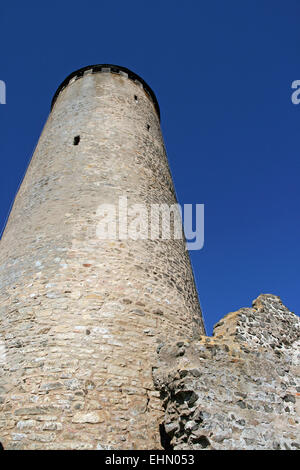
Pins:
<point x="81" y="318"/>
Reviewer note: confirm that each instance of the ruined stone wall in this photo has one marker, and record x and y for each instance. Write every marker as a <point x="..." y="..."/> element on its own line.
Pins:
<point x="81" y="318"/>
<point x="240" y="388"/>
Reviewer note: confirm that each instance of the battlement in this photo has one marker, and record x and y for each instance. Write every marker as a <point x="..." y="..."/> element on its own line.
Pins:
<point x="108" y="68"/>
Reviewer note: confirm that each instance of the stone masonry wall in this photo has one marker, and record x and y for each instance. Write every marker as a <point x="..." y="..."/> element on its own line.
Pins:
<point x="81" y="317"/>
<point x="102" y="342"/>
<point x="240" y="388"/>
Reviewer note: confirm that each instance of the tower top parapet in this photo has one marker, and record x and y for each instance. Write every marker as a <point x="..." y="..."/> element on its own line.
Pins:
<point x="110" y="68"/>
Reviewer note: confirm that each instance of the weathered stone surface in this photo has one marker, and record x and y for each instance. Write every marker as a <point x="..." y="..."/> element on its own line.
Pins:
<point x="79" y="321"/>
<point x="93" y="417"/>
<point x="238" y="389"/>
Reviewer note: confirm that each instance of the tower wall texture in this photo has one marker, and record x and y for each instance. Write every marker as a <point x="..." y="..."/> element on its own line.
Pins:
<point x="82" y="318"/>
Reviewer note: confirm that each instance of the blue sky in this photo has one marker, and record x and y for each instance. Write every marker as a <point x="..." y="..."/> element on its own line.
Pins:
<point x="222" y="73"/>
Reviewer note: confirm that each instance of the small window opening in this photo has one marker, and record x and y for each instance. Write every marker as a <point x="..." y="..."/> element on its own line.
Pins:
<point x="148" y="127"/>
<point x="136" y="98"/>
<point x="76" y="140"/>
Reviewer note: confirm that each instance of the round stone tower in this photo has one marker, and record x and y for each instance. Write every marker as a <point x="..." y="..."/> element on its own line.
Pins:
<point x="82" y="317"/>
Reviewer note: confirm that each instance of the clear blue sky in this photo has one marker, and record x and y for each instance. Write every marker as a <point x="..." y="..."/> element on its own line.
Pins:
<point x="222" y="73"/>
